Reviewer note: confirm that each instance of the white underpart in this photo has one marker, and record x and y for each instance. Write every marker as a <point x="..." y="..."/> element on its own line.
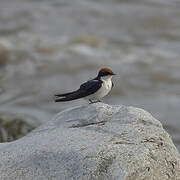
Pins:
<point x="104" y="90"/>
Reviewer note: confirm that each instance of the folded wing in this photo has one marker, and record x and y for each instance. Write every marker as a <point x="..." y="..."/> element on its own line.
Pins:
<point x="85" y="89"/>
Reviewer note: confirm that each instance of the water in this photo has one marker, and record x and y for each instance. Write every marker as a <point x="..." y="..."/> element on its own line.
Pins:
<point x="54" y="46"/>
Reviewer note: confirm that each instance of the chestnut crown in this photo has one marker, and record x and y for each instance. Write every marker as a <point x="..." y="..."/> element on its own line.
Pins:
<point x="105" y="72"/>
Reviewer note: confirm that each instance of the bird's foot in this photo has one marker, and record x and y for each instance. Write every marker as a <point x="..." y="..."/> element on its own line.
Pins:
<point x="92" y="102"/>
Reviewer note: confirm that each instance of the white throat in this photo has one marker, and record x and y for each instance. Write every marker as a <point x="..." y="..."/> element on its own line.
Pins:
<point x="106" y="78"/>
<point x="104" y="90"/>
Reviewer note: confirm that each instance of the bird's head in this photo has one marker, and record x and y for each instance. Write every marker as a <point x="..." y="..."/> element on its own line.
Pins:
<point x="105" y="73"/>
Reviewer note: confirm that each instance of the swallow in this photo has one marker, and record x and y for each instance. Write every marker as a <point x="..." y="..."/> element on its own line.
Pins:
<point x="92" y="90"/>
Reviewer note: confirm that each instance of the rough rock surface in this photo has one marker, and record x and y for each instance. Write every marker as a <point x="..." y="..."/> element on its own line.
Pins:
<point x="96" y="141"/>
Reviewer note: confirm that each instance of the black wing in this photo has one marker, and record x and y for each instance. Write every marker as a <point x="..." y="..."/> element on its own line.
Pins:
<point x="85" y="89"/>
<point x="91" y="86"/>
<point x="112" y="84"/>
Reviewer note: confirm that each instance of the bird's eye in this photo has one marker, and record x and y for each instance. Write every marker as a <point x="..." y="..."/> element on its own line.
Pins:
<point x="106" y="73"/>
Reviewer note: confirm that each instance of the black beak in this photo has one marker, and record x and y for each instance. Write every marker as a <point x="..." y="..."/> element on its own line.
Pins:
<point x="113" y="74"/>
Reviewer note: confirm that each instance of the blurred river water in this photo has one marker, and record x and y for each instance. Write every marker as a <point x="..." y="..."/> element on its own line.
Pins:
<point x="49" y="47"/>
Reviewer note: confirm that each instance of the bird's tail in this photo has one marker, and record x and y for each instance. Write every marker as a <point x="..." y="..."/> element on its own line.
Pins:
<point x="69" y="96"/>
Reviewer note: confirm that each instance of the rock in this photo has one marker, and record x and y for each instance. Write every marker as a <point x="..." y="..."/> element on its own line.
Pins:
<point x="97" y="141"/>
<point x="3" y="53"/>
<point x="12" y="128"/>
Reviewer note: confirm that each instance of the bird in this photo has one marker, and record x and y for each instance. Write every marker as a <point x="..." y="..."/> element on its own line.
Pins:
<point x="92" y="90"/>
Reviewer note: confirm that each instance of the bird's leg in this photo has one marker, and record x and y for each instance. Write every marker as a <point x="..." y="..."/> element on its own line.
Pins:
<point x="97" y="101"/>
<point x="92" y="102"/>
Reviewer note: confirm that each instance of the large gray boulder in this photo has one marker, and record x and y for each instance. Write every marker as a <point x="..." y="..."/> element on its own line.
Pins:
<point x="97" y="141"/>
